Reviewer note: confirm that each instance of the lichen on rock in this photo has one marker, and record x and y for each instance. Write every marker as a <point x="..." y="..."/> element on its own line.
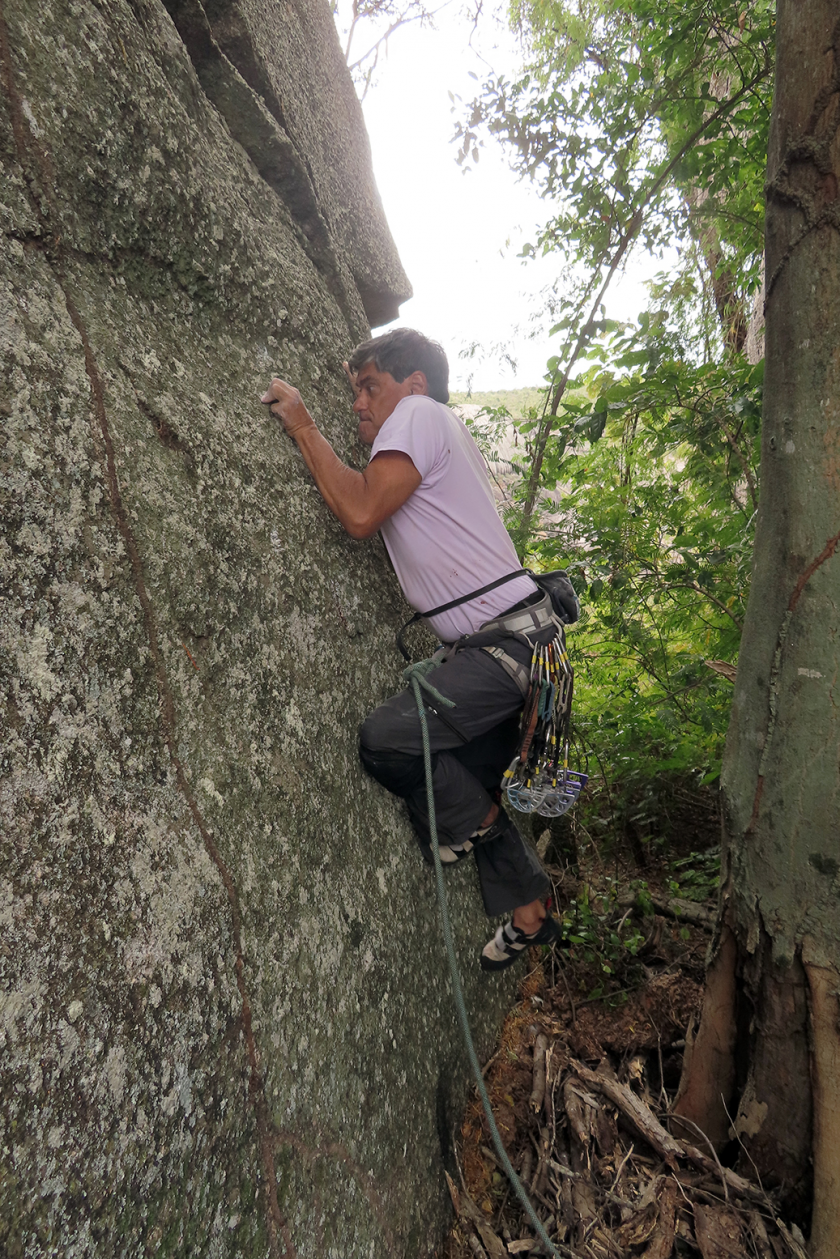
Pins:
<point x="219" y="1032"/>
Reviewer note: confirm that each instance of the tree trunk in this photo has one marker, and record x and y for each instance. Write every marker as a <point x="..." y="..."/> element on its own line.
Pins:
<point x="729" y="303"/>
<point x="765" y="1060"/>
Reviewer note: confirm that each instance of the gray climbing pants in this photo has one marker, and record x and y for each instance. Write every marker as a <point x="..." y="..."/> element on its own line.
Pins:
<point x="466" y="771"/>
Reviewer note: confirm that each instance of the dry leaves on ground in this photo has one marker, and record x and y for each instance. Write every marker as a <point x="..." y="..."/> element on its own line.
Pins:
<point x="587" y="1128"/>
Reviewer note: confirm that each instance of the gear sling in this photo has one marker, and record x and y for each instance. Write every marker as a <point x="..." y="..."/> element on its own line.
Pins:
<point x="536" y="781"/>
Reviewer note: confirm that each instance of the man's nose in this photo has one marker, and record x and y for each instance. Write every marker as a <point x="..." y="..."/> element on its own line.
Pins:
<point x="358" y="405"/>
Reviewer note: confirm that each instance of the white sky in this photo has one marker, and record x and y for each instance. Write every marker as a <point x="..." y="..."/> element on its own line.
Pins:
<point x="451" y="226"/>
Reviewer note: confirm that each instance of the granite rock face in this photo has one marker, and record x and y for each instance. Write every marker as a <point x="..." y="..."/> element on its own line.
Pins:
<point x="225" y="1021"/>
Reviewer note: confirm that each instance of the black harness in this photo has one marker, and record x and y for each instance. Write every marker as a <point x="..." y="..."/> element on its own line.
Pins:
<point x="556" y="585"/>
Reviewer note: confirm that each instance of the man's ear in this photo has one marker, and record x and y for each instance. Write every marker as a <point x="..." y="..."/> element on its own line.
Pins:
<point x="417" y="383"/>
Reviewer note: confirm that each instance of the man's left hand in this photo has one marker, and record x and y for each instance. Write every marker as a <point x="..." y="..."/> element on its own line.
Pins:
<point x="362" y="501"/>
<point x="286" y="403"/>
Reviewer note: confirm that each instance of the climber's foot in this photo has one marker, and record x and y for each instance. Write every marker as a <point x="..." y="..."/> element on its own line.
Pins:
<point x="510" y="942"/>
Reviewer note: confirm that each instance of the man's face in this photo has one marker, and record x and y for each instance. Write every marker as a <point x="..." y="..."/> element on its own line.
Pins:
<point x="377" y="393"/>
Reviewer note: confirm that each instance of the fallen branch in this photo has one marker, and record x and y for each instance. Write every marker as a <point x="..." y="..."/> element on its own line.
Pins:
<point x="466" y="1209"/>
<point x="674" y="907"/>
<point x="651" y="1129"/>
<point x="662" y="1238"/>
<point x="579" y="1108"/>
<point x="538" y="1183"/>
<point x="476" y="1247"/>
<point x="538" y="1090"/>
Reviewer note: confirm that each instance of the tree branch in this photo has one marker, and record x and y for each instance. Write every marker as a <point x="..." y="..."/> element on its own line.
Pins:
<point x="690" y="585"/>
<point x="627" y="239"/>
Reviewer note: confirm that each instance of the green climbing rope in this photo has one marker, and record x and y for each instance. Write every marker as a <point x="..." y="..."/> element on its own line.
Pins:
<point x="416" y="676"/>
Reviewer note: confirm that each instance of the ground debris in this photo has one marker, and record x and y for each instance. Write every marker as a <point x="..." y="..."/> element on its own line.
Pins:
<point x="581" y="1090"/>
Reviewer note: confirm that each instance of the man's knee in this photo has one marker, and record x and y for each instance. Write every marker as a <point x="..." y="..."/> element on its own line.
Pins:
<point x="401" y="772"/>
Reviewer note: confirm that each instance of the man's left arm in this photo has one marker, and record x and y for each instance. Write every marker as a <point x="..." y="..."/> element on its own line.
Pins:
<point x="361" y="501"/>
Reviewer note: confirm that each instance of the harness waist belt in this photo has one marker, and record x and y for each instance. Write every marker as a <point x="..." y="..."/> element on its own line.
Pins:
<point x="526" y="621"/>
<point x="523" y="623"/>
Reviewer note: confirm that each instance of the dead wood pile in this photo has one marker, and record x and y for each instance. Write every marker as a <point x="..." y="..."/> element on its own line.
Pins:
<point x="610" y="1172"/>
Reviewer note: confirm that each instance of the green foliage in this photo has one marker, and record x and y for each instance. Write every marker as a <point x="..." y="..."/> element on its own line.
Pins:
<point x="590" y="928"/>
<point x="658" y="469"/>
<point x="608" y="935"/>
<point x="644" y="124"/>
<point x="648" y="124"/>
<point x="638" y="118"/>
<point x="697" y="876"/>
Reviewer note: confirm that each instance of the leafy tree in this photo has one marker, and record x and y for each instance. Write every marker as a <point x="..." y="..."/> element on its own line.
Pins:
<point x="648" y="496"/>
<point x="671" y="406"/>
<point x="644" y="125"/>
<point x="767" y="1049"/>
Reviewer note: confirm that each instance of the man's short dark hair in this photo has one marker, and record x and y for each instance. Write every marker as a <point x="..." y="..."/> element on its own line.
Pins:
<point x="403" y="351"/>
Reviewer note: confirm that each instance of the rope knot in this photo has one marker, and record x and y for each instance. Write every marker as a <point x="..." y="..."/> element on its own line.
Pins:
<point x="416" y="675"/>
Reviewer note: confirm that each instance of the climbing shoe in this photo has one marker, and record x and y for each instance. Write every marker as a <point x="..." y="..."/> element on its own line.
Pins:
<point x="509" y="943"/>
<point x="497" y="827"/>
<point x="450" y="853"/>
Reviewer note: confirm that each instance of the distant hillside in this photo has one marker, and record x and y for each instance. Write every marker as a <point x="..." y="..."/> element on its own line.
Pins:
<point x="517" y="401"/>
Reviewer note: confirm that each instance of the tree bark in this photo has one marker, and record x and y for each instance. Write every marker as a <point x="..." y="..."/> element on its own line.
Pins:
<point x="781" y="779"/>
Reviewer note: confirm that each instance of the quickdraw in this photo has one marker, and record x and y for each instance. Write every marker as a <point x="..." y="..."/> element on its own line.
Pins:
<point x="536" y="781"/>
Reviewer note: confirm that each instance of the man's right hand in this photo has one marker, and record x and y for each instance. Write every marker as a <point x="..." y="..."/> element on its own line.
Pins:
<point x="286" y="403"/>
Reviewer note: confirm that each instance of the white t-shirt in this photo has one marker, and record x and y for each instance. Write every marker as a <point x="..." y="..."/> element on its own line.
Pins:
<point x="447" y="539"/>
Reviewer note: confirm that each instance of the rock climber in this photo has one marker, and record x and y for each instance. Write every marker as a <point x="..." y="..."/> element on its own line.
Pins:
<point x="426" y="490"/>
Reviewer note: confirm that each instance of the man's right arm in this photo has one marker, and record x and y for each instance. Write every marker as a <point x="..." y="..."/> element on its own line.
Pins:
<point x="361" y="501"/>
